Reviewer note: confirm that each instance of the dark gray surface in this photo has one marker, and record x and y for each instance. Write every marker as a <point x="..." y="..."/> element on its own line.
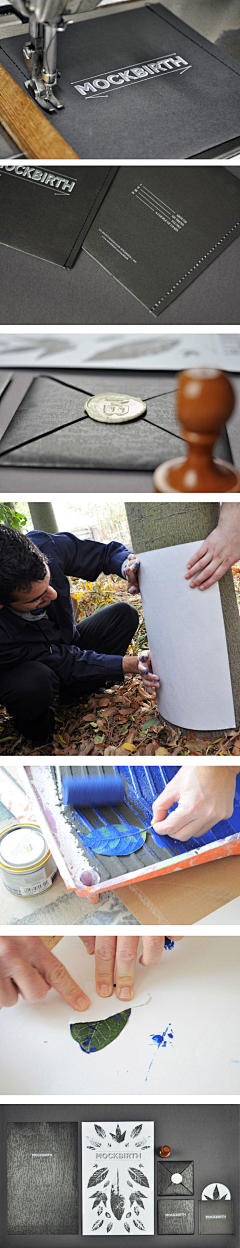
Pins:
<point x="35" y="292"/>
<point x="208" y="1133"/>
<point x="198" y="109"/>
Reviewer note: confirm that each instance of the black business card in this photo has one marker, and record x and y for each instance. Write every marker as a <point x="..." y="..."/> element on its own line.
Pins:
<point x="160" y="227"/>
<point x="175" y="1216"/>
<point x="47" y="212"/>
<point x="139" y="84"/>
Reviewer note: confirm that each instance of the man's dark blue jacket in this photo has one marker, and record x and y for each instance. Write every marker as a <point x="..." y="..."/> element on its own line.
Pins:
<point x="54" y="639"/>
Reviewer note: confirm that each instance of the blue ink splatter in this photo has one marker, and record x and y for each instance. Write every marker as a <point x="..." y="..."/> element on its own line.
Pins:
<point x="168" y="944"/>
<point x="161" y="1043"/>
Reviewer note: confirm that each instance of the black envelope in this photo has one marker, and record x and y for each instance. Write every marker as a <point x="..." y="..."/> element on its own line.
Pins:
<point x="47" y="211"/>
<point x="166" y="1181"/>
<point x="48" y="426"/>
<point x="140" y="84"/>
<point x="215" y="1217"/>
<point x="160" y="227"/>
<point x="175" y="1217"/>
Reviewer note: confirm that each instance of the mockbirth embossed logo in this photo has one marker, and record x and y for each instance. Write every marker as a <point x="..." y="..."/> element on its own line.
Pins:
<point x="129" y="75"/>
<point x="45" y="176"/>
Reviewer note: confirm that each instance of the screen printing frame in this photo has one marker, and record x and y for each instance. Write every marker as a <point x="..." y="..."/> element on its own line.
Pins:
<point x="222" y="848"/>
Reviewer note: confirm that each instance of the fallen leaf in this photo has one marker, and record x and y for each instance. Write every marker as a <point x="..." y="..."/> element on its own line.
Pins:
<point x="162" y="750"/>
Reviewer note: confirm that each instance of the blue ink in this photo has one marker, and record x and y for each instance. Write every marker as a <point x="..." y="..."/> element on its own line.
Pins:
<point x="168" y="944"/>
<point x="161" y="1043"/>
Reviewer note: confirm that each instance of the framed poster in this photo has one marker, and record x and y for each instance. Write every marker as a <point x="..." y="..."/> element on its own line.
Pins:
<point x="118" y="1178"/>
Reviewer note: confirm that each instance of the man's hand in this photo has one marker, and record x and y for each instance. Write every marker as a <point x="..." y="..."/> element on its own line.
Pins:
<point x="115" y="961"/>
<point x="219" y="552"/>
<point x="204" y="795"/>
<point x="131" y="574"/>
<point x="151" y="681"/>
<point x="29" y="969"/>
<point x="134" y="665"/>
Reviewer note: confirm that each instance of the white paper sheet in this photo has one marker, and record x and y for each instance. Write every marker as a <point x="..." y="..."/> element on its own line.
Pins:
<point x="119" y="350"/>
<point x="116" y="1210"/>
<point x="194" y="993"/>
<point x="112" y="1005"/>
<point x="187" y="642"/>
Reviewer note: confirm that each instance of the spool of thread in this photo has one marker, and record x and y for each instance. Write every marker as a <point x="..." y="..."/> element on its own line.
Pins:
<point x="93" y="790"/>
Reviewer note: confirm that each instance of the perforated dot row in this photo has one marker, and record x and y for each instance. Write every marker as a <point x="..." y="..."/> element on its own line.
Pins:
<point x="194" y="266"/>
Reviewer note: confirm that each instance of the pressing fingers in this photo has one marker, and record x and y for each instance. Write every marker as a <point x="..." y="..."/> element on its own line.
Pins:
<point x="57" y="977"/>
<point x="152" y="950"/>
<point x="126" y="956"/>
<point x="105" y="952"/>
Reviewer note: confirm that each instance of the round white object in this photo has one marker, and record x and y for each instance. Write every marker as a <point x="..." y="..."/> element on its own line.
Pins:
<point x="114" y="409"/>
<point x="224" y="1192"/>
<point x="22" y="847"/>
<point x="176" y="1178"/>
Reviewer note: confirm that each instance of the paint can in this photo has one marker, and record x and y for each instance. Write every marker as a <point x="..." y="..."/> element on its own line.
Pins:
<point x="26" y="864"/>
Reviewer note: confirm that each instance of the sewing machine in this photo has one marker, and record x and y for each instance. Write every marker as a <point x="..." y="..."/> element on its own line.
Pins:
<point x="46" y="18"/>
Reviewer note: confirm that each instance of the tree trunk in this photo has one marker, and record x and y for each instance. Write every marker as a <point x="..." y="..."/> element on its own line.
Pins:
<point x="43" y="517"/>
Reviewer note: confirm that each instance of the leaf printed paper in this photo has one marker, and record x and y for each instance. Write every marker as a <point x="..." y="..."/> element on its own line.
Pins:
<point x="94" y="1036"/>
<point x="118" y="1178"/>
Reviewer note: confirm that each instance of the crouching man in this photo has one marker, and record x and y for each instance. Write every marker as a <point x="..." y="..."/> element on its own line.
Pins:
<point x="42" y="651"/>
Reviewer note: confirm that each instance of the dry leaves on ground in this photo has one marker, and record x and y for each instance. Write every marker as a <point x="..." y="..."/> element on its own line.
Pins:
<point x="123" y="719"/>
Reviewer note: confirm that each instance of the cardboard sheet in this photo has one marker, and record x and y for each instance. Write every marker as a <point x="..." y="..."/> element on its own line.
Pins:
<point x="194" y="995"/>
<point x="47" y="211"/>
<point x="159" y="228"/>
<point x="187" y="642"/>
<point x="192" y="85"/>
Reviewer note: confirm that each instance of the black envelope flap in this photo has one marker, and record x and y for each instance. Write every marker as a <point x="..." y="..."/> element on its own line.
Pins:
<point x="175" y="1178"/>
<point x="47" y="212"/>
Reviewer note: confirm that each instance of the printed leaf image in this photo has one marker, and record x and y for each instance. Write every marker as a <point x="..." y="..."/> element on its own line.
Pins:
<point x="92" y="1037"/>
<point x="117" y="1201"/>
<point x="117" y="1187"/>
<point x="216" y="1193"/>
<point x="135" y="1196"/>
<point x="138" y="1177"/>
<point x="119" y="1136"/>
<point x="100" y="1198"/>
<point x="97" y="1177"/>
